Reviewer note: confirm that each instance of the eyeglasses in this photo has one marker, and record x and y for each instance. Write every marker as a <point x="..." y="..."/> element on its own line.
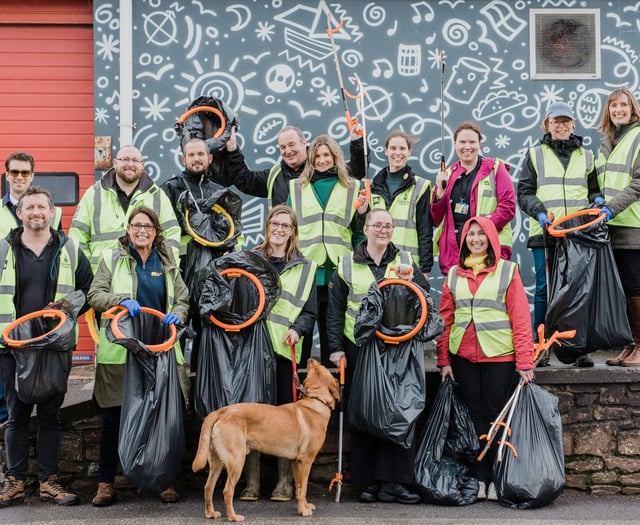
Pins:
<point x="563" y="121"/>
<point x="146" y="227"/>
<point x="21" y="173"/>
<point x="378" y="227"/>
<point x="127" y="160"/>
<point x="285" y="227"/>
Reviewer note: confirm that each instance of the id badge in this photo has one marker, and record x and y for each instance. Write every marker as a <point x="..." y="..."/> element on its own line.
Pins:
<point x="461" y="208"/>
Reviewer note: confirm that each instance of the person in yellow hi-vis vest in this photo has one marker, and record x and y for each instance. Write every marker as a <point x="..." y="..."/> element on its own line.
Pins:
<point x="487" y="335"/>
<point x="618" y="166"/>
<point x="323" y="200"/>
<point x="142" y="271"/>
<point x="472" y="186"/>
<point x="290" y="320"/>
<point x="558" y="177"/>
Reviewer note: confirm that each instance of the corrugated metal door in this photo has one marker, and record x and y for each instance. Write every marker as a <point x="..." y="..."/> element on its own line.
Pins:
<point x="46" y="93"/>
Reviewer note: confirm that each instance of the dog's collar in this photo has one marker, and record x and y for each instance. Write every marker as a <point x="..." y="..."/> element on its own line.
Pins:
<point x="319" y="399"/>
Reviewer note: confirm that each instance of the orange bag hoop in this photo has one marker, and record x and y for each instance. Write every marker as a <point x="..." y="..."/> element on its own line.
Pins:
<point x="563" y="232"/>
<point x="235" y="273"/>
<point x="394" y="340"/>
<point x="118" y="312"/>
<point x="90" y="319"/>
<point x="211" y="109"/>
<point x="27" y="317"/>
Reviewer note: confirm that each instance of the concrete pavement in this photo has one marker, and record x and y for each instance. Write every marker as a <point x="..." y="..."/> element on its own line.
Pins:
<point x="145" y="509"/>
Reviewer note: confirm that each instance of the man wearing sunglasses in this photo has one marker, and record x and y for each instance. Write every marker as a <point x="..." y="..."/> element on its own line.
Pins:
<point x="19" y="173"/>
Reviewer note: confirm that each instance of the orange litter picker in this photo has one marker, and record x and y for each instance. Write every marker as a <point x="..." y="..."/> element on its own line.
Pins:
<point x="507" y="411"/>
<point x="338" y="477"/>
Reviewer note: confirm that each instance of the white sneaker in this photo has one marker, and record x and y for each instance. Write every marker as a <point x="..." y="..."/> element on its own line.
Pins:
<point x="491" y="492"/>
<point x="482" y="491"/>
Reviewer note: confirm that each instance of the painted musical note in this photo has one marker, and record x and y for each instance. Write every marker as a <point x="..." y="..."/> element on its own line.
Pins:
<point x="388" y="68"/>
<point x="428" y="16"/>
<point x="392" y="30"/>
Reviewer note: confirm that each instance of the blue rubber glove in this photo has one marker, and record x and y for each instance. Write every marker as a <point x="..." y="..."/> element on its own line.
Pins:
<point x="605" y="209"/>
<point x="598" y="201"/>
<point x="544" y="220"/>
<point x="132" y="306"/>
<point x="171" y="319"/>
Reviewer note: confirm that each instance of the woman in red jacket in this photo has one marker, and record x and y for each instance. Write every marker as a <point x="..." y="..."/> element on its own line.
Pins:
<point x="487" y="336"/>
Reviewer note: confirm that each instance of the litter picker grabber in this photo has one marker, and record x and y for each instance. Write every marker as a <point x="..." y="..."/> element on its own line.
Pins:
<point x="442" y="154"/>
<point x="295" y="384"/>
<point x="352" y="122"/>
<point x="338" y="477"/>
<point x="508" y="409"/>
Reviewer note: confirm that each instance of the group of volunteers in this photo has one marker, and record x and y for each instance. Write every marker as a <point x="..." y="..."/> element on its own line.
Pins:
<point x="328" y="240"/>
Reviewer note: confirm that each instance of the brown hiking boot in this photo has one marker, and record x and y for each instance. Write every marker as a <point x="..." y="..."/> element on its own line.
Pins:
<point x="51" y="490"/>
<point x="105" y="495"/>
<point x="169" y="495"/>
<point x="12" y="491"/>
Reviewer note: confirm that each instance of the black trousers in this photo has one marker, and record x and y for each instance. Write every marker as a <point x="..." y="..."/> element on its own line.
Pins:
<point x="627" y="263"/>
<point x="484" y="388"/>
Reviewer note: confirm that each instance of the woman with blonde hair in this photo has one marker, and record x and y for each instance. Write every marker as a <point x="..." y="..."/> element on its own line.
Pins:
<point x="323" y="200"/>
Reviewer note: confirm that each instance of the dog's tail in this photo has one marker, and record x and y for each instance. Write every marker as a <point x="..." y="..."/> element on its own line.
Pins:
<point x="202" y="454"/>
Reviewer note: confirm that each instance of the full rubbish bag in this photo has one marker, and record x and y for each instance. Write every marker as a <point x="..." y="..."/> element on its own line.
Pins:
<point x="388" y="386"/>
<point x="447" y="447"/>
<point x="236" y="366"/>
<point x="216" y="222"/>
<point x="152" y="440"/>
<point x="206" y="124"/>
<point x="536" y="476"/>
<point x="43" y="366"/>
<point x="586" y="294"/>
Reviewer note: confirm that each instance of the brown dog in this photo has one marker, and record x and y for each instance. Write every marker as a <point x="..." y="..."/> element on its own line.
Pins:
<point x="295" y="431"/>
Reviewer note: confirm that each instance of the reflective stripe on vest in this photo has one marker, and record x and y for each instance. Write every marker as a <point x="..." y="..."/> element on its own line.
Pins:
<point x="67" y="262"/>
<point x="359" y="278"/>
<point x="488" y="202"/>
<point x="275" y="170"/>
<point x="296" y="283"/>
<point x="327" y="232"/>
<point x="561" y="191"/>
<point x="487" y="309"/>
<point x="123" y="282"/>
<point x="403" y="211"/>
<point x="614" y="175"/>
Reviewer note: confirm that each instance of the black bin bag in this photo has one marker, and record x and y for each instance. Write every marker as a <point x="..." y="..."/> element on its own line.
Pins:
<point x="236" y="366"/>
<point x="388" y="387"/>
<point x="206" y="125"/>
<point x="216" y="222"/>
<point x="586" y="294"/>
<point x="43" y="366"/>
<point x="447" y="447"/>
<point x="152" y="441"/>
<point x="536" y="476"/>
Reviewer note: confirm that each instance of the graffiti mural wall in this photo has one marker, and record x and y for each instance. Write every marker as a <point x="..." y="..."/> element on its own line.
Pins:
<point x="272" y="62"/>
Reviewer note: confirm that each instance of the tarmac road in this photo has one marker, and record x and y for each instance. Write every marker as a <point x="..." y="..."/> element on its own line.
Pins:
<point x="145" y="509"/>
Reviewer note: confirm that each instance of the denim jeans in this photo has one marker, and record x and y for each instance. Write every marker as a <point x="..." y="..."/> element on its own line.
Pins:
<point x="17" y="430"/>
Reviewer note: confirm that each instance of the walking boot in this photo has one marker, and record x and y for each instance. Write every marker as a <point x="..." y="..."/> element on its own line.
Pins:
<point x="251" y="491"/>
<point x="169" y="495"/>
<point x="52" y="490"/>
<point x="284" y="487"/>
<point x="12" y="491"/>
<point x="105" y="495"/>
<point x="633" y="359"/>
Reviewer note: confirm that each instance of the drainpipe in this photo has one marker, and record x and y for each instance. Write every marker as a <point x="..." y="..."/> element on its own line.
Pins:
<point x="126" y="73"/>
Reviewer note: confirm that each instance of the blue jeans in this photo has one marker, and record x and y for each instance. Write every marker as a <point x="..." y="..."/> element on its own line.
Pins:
<point x="540" y="297"/>
<point x="17" y="432"/>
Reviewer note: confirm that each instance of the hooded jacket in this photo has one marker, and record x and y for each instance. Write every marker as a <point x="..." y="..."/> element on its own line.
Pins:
<point x="517" y="309"/>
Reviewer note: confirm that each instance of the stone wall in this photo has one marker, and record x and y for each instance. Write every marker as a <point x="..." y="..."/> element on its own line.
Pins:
<point x="600" y="410"/>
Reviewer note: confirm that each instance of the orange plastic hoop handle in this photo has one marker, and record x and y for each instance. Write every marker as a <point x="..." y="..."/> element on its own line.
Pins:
<point x="211" y="109"/>
<point x="394" y="340"/>
<point x="27" y="317"/>
<point x="235" y="273"/>
<point x="118" y="312"/>
<point x="589" y="211"/>
<point x="90" y="319"/>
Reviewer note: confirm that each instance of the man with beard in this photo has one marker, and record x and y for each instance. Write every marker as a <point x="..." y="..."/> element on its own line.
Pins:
<point x="41" y="266"/>
<point x="101" y="214"/>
